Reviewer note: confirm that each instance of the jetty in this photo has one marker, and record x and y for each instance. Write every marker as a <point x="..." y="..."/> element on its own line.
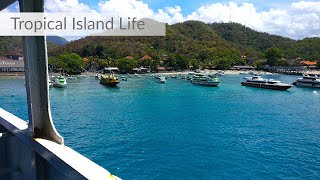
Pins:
<point x="34" y="149"/>
<point x="289" y="70"/>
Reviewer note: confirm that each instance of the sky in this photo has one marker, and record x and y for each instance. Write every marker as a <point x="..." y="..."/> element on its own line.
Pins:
<point x="290" y="18"/>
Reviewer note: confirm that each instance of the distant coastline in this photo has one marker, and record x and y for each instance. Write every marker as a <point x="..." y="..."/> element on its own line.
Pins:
<point x="227" y="72"/>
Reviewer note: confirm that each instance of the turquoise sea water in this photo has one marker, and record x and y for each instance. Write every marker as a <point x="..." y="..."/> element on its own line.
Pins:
<point x="147" y="130"/>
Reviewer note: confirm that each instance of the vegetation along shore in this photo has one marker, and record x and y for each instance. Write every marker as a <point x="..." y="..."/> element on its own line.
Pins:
<point x="187" y="46"/>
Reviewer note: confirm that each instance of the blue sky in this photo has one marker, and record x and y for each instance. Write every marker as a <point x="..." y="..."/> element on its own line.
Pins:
<point x="189" y="6"/>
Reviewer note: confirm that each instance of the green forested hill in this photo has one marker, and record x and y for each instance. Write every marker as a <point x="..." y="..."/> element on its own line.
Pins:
<point x="9" y="44"/>
<point x="246" y="39"/>
<point x="194" y="42"/>
<point x="197" y="40"/>
<point x="192" y="39"/>
<point x="249" y="40"/>
<point x="308" y="48"/>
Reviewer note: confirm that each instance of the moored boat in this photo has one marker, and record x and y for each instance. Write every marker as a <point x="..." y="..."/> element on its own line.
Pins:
<point x="50" y="83"/>
<point x="161" y="79"/>
<point x="308" y="80"/>
<point x="190" y="75"/>
<point x="109" y="80"/>
<point x="206" y="80"/>
<point x="71" y="78"/>
<point x="59" y="82"/>
<point x="220" y="73"/>
<point x="259" y="82"/>
<point x="123" y="78"/>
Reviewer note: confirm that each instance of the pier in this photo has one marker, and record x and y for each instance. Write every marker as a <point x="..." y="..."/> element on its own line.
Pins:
<point x="34" y="149"/>
<point x="289" y="70"/>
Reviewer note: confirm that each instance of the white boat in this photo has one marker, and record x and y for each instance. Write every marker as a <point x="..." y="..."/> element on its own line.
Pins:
<point x="50" y="83"/>
<point x="220" y="73"/>
<point x="59" y="82"/>
<point x="308" y="80"/>
<point x="259" y="82"/>
<point x="206" y="80"/>
<point x="190" y="75"/>
<point x="161" y="79"/>
<point x="72" y="78"/>
<point x="123" y="78"/>
<point x="244" y="72"/>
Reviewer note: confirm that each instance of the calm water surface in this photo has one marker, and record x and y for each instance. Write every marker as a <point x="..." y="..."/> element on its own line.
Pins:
<point x="146" y="130"/>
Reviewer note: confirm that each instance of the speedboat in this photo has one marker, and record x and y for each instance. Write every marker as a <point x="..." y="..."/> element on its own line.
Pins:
<point x="71" y="78"/>
<point x="109" y="80"/>
<point x="190" y="75"/>
<point x="206" y="80"/>
<point x="259" y="82"/>
<point x="59" y="82"/>
<point x="220" y="73"/>
<point x="161" y="79"/>
<point x="308" y="80"/>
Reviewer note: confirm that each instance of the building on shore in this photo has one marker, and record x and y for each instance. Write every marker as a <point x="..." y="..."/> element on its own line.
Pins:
<point x="309" y="64"/>
<point x="14" y="56"/>
<point x="292" y="70"/>
<point x="161" y="69"/>
<point x="9" y="66"/>
<point x="145" y="57"/>
<point x="242" y="68"/>
<point x="111" y="70"/>
<point x="141" y="70"/>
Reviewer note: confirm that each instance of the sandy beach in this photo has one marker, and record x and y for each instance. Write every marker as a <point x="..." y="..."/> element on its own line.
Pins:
<point x="213" y="72"/>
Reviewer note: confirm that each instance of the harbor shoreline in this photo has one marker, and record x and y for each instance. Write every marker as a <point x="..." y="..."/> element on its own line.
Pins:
<point x="226" y="72"/>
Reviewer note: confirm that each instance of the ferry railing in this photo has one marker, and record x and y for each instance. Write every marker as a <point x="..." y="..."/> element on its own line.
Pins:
<point x="35" y="150"/>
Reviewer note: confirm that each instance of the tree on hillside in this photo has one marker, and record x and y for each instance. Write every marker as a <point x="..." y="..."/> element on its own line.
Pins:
<point x="222" y="63"/>
<point x="318" y="64"/>
<point x="182" y="62"/>
<point x="70" y="63"/>
<point x="273" y="55"/>
<point x="126" y="65"/>
<point x="194" y="64"/>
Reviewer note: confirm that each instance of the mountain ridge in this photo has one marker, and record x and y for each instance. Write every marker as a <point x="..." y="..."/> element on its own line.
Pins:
<point x="192" y="37"/>
<point x="194" y="40"/>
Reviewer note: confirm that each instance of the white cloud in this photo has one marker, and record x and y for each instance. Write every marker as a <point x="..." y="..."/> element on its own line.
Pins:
<point x="174" y="10"/>
<point x="244" y="14"/>
<point x="136" y="8"/>
<point x="297" y="20"/>
<point x="126" y="8"/>
<point x="175" y="13"/>
<point x="67" y="6"/>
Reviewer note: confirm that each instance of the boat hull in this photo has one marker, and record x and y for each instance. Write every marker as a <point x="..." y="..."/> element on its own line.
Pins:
<point x="59" y="82"/>
<point x="160" y="79"/>
<point x="111" y="84"/>
<point x="267" y="86"/>
<point x="109" y="81"/>
<point x="310" y="85"/>
<point x="205" y="83"/>
<point x="59" y="85"/>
